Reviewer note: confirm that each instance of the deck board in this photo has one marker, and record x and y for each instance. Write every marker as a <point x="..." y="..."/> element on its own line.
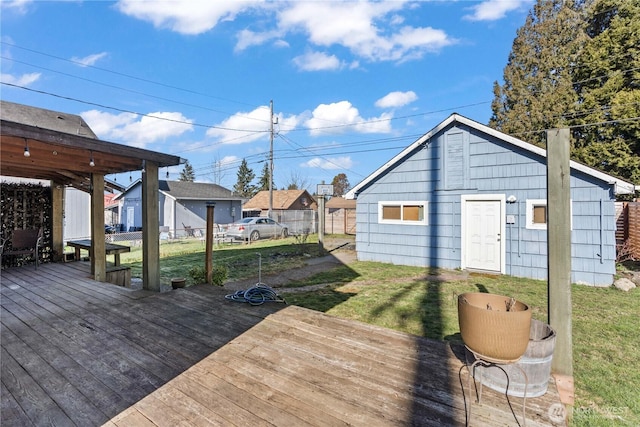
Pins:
<point x="78" y="352"/>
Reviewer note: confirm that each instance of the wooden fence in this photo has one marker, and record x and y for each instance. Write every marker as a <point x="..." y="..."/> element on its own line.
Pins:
<point x="628" y="229"/>
<point x="340" y="221"/>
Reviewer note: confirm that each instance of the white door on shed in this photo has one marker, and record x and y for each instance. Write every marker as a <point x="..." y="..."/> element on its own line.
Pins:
<point x="483" y="234"/>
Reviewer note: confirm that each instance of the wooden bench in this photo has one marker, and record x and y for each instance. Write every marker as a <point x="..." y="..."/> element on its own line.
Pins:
<point x="23" y="242"/>
<point x="109" y="248"/>
<point x="119" y="275"/>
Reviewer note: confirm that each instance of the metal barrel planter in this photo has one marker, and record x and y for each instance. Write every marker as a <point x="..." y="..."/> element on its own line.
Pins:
<point x="536" y="363"/>
<point x="494" y="327"/>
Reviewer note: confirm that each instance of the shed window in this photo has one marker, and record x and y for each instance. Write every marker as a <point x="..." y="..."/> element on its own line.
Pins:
<point x="402" y="212"/>
<point x="537" y="214"/>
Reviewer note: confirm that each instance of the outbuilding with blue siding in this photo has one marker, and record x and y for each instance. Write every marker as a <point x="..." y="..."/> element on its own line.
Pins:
<point x="467" y="196"/>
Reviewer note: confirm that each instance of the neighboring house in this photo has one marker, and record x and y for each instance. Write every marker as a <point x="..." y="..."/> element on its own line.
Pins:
<point x="295" y="208"/>
<point x="182" y="205"/>
<point x="283" y="200"/>
<point x="111" y="210"/>
<point x="467" y="196"/>
<point x="340" y="216"/>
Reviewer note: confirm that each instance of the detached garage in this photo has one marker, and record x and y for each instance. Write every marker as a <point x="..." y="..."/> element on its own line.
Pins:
<point x="467" y="196"/>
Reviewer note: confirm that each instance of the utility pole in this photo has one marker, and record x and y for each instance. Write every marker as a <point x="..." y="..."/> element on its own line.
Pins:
<point x="270" y="158"/>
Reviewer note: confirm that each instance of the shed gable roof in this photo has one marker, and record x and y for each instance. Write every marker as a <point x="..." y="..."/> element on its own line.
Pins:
<point x="187" y="190"/>
<point x="195" y="190"/>
<point x="282" y="199"/>
<point x="620" y="186"/>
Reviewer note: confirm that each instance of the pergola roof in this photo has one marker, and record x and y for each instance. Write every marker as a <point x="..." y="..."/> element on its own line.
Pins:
<point x="61" y="147"/>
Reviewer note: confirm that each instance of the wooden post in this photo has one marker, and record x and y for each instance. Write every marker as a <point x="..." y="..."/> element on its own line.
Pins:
<point x="321" y="223"/>
<point x="208" y="251"/>
<point x="97" y="252"/>
<point x="57" y="220"/>
<point x="150" y="228"/>
<point x="559" y="248"/>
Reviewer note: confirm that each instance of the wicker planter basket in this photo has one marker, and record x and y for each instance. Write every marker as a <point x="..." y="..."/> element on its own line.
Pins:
<point x="489" y="330"/>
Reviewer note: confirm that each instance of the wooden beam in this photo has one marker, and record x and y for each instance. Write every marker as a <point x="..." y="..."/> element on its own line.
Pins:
<point x="150" y="228"/>
<point x="559" y="248"/>
<point x="81" y="142"/>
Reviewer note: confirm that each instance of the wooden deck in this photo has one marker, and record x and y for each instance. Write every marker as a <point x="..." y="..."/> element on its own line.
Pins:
<point x="78" y="352"/>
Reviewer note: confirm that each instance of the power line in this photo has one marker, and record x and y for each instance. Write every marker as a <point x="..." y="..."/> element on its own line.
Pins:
<point x="125" y="89"/>
<point x="95" y="104"/>
<point x="118" y="73"/>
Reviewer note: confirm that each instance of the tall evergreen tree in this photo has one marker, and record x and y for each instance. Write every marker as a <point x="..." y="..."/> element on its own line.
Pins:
<point x="263" y="180"/>
<point x="576" y="63"/>
<point x="538" y="92"/>
<point x="187" y="173"/>
<point x="243" y="186"/>
<point x="608" y="86"/>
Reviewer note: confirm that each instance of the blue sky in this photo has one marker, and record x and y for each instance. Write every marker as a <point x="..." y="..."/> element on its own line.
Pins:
<point x="352" y="83"/>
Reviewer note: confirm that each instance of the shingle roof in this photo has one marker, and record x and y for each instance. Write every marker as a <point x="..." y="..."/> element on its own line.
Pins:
<point x="45" y="119"/>
<point x="195" y="190"/>
<point x="282" y="199"/>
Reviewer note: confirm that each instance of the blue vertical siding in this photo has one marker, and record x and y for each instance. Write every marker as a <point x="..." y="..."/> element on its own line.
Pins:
<point x="493" y="166"/>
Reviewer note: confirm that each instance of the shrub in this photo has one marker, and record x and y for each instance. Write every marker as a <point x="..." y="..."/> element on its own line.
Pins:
<point x="219" y="275"/>
<point x="199" y="274"/>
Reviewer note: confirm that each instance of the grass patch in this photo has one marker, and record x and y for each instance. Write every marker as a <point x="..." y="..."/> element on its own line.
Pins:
<point x="178" y="257"/>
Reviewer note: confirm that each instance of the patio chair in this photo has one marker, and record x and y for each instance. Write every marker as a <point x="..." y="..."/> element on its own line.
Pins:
<point x="23" y="242"/>
<point x="189" y="230"/>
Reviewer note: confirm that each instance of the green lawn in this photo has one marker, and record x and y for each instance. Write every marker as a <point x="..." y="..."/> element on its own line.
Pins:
<point x="177" y="257"/>
<point x="606" y="321"/>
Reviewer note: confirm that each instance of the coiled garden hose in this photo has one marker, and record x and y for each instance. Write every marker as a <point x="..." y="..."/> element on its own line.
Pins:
<point x="256" y="295"/>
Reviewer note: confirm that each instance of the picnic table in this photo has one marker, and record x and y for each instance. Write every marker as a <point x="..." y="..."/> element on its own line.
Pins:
<point x="110" y="249"/>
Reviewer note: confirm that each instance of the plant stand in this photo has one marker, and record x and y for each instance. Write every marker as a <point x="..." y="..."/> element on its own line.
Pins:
<point x="486" y="362"/>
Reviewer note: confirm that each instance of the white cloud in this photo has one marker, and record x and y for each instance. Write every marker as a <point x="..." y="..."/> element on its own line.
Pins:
<point x="229" y="160"/>
<point x="244" y="127"/>
<point x="341" y="117"/>
<point x="19" y="6"/>
<point x="396" y="99"/>
<point x="185" y="16"/>
<point x="89" y="60"/>
<point x="492" y="10"/>
<point x="317" y="61"/>
<point x="359" y="26"/>
<point x="368" y="29"/>
<point x="248" y="38"/>
<point x="23" y="80"/>
<point x="329" y="163"/>
<point x="136" y="130"/>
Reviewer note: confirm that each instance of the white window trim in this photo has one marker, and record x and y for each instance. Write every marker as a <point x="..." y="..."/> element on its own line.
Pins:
<point x="538" y="202"/>
<point x="425" y="220"/>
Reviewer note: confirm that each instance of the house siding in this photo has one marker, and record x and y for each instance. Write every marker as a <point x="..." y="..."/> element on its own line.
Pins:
<point x="177" y="213"/>
<point x="491" y="166"/>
